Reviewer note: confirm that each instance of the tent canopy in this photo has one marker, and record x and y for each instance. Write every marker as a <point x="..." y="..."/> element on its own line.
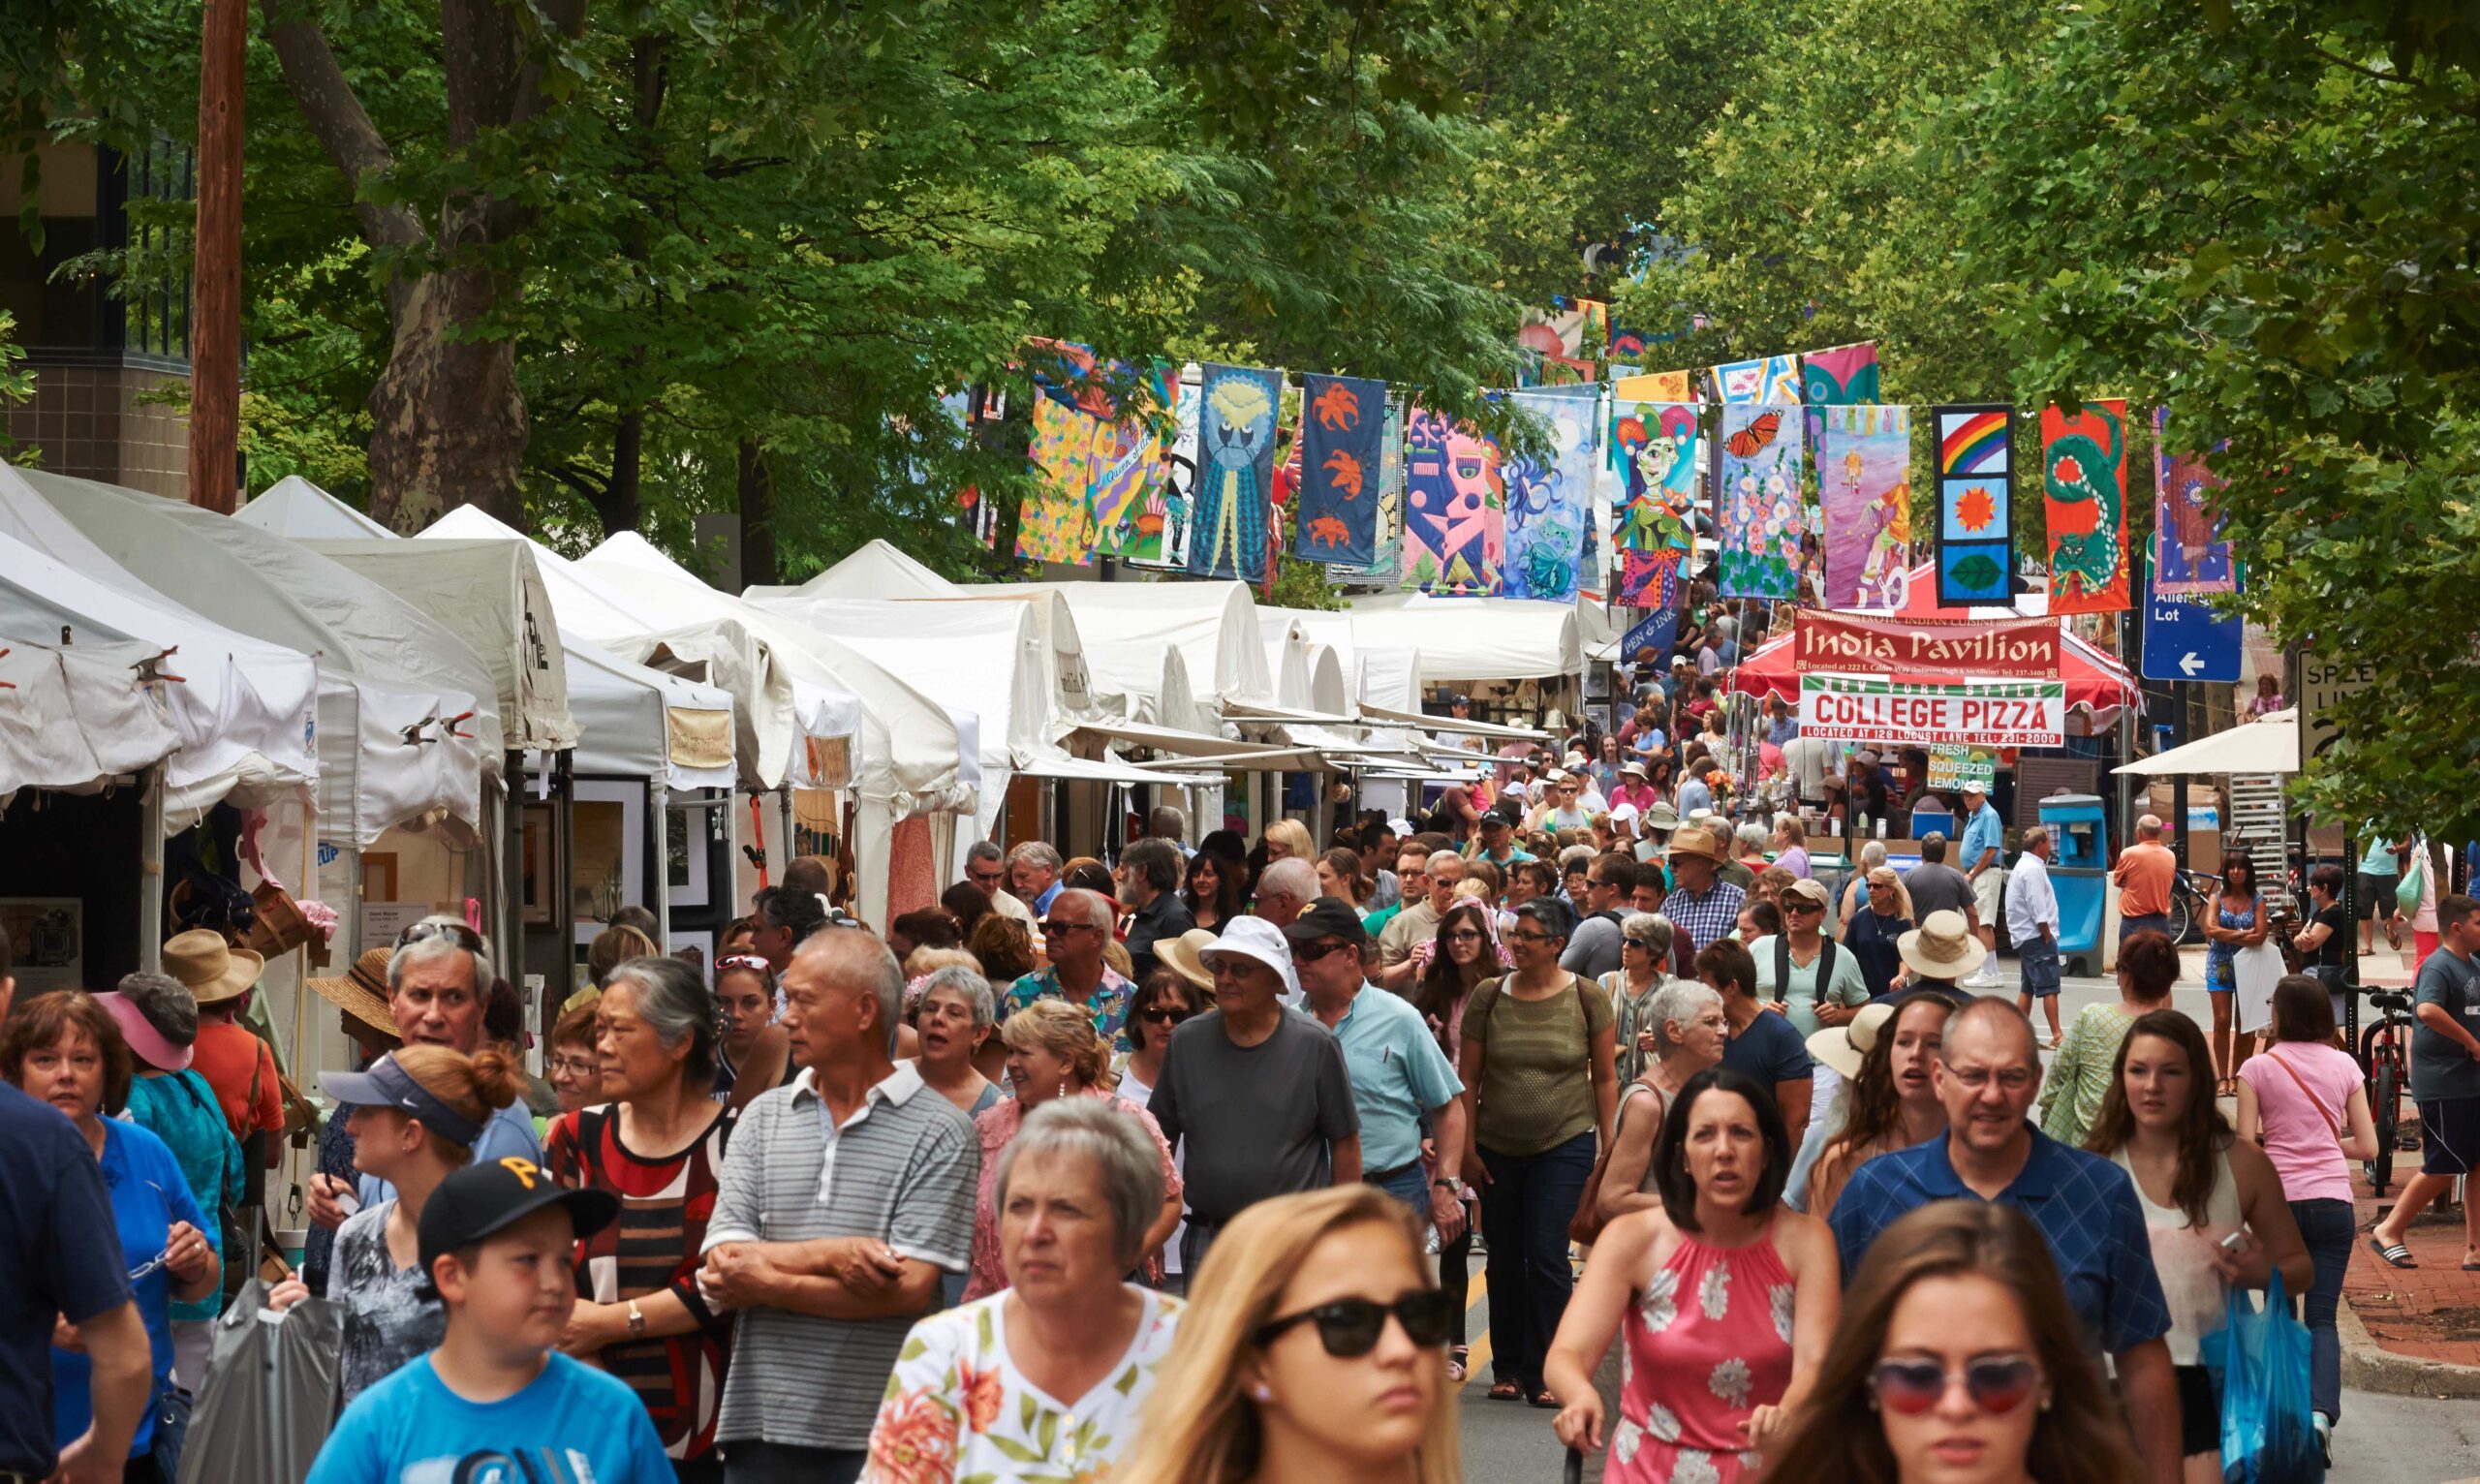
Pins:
<point x="491" y="595"/>
<point x="2268" y="743"/>
<point x="1473" y="639"/>
<point x="1125" y="625"/>
<point x="641" y="723"/>
<point x="2096" y="683"/>
<point x="878" y="570"/>
<point x="294" y="506"/>
<point x="74" y="719"/>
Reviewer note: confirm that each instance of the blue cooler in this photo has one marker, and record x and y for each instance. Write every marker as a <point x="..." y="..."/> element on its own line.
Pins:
<point x="2080" y="872"/>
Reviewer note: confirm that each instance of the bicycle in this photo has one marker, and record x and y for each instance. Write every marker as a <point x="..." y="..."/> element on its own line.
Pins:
<point x="2190" y="903"/>
<point x="2384" y="1052"/>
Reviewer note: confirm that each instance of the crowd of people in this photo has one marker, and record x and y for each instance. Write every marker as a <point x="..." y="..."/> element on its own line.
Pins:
<point x="1177" y="1171"/>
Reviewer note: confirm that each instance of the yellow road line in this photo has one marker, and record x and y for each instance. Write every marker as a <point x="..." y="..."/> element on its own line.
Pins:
<point x="1478" y="1359"/>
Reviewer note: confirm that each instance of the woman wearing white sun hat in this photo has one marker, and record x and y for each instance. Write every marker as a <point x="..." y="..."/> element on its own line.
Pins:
<point x="1940" y="952"/>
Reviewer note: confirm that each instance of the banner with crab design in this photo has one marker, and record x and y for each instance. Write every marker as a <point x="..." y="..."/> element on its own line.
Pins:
<point x="1342" y="433"/>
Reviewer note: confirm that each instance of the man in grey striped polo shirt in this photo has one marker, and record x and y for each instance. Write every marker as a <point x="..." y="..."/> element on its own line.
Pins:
<point x="845" y="1194"/>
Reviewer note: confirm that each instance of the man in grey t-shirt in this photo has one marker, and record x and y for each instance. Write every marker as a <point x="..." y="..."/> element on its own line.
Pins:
<point x="2445" y="1079"/>
<point x="1594" y="950"/>
<point x="1937" y="886"/>
<point x="1259" y="1092"/>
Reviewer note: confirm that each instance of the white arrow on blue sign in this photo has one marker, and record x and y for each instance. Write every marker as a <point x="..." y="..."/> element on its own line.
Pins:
<point x="2184" y="639"/>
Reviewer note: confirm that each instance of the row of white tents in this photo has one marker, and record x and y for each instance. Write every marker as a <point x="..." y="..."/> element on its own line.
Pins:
<point x="302" y="661"/>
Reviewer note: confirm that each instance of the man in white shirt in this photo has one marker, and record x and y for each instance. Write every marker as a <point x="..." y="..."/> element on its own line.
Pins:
<point x="2033" y="923"/>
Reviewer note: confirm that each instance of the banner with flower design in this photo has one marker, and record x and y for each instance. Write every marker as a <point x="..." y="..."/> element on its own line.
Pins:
<point x="2084" y="471"/>
<point x="1973" y="448"/>
<point x="1759" y="521"/>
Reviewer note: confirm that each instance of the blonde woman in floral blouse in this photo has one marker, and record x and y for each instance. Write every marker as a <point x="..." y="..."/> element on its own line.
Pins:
<point x="1041" y="1381"/>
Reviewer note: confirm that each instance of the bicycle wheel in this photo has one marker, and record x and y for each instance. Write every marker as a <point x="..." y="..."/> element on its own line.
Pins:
<point x="2182" y="917"/>
<point x="2385" y="1094"/>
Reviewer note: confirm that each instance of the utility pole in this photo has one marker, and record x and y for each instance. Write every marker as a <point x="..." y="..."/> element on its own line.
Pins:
<point x="215" y="316"/>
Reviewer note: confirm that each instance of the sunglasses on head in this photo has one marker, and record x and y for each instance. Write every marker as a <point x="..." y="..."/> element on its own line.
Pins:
<point x="1349" y="1328"/>
<point x="466" y="938"/>
<point x="1998" y="1383"/>
<point x="743" y="961"/>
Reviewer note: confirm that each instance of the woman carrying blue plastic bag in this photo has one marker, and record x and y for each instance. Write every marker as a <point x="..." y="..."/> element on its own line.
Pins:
<point x="2212" y="1205"/>
<point x="2270" y="1434"/>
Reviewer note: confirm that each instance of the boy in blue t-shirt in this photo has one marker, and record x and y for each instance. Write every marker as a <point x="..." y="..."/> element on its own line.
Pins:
<point x="494" y="1403"/>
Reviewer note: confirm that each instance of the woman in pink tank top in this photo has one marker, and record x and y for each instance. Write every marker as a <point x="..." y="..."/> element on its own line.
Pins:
<point x="1724" y="1298"/>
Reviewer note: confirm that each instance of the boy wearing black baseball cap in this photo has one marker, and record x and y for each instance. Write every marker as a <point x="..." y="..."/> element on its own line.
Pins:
<point x="495" y="1399"/>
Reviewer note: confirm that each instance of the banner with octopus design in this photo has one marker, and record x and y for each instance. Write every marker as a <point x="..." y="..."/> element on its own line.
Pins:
<point x="1343" y="422"/>
<point x="1236" y="472"/>
<point x="1973" y="446"/>
<point x="2084" y="471"/>
<point x="1760" y="519"/>
<point x="1864" y="483"/>
<point x="1454" y="508"/>
<point x="1548" y="499"/>
<point x="2190" y="553"/>
<point x="1654" y="444"/>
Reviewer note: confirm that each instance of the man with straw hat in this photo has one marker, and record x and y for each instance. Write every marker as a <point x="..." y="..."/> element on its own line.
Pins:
<point x="1700" y="904"/>
<point x="235" y="1061"/>
<point x="1940" y="952"/>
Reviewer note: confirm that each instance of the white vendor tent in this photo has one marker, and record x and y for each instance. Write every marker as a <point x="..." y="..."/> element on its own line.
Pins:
<point x="74" y="719"/>
<point x="1473" y="639"/>
<point x="490" y="594"/>
<point x="642" y="723"/>
<point x="1125" y="625"/>
<point x="407" y="724"/>
<point x="878" y="570"/>
<point x="294" y="506"/>
<point x="1309" y="674"/>
<point x="2268" y="743"/>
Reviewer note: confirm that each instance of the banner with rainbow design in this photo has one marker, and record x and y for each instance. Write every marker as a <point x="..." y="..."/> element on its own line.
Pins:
<point x="1974" y="453"/>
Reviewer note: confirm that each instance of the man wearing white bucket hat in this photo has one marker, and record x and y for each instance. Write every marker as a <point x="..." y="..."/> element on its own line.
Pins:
<point x="1261" y="1093"/>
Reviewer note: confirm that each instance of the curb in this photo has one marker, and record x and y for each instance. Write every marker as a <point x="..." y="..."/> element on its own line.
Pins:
<point x="2367" y="1365"/>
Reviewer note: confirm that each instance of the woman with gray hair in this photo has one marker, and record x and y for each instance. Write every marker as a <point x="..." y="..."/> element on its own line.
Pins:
<point x="658" y="1146"/>
<point x="1689" y="1030"/>
<point x="953" y="1015"/>
<point x="1044" y="1378"/>
<point x="1054" y="1054"/>
<point x="1644" y="952"/>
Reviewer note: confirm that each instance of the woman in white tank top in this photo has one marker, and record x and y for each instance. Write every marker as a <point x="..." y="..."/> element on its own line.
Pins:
<point x="2199" y="1184"/>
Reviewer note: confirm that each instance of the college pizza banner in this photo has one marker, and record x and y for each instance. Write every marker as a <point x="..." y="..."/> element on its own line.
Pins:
<point x="1342" y="428"/>
<point x="2084" y="473"/>
<point x="1986" y="713"/>
<point x="1973" y="452"/>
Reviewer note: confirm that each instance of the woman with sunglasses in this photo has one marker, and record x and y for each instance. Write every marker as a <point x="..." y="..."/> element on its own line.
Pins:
<point x="2239" y="921"/>
<point x="1957" y="1361"/>
<point x="1539" y="1071"/>
<point x="2199" y="1183"/>
<point x="753" y="1056"/>
<point x="1727" y="1299"/>
<point x="1644" y="962"/>
<point x="1164" y="1002"/>
<point x="1053" y="1052"/>
<point x="1465" y="952"/>
<point x="1313" y="1349"/>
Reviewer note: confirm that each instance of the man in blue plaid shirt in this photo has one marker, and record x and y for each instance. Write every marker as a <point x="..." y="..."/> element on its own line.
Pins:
<point x="2084" y="1204"/>
<point x="1700" y="904"/>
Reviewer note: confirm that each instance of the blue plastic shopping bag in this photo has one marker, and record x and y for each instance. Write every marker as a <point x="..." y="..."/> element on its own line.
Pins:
<point x="2261" y="1358"/>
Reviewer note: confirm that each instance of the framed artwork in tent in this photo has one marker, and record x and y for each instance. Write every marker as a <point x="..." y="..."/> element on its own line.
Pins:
<point x="539" y="842"/>
<point x="684" y="854"/>
<point x="609" y="834"/>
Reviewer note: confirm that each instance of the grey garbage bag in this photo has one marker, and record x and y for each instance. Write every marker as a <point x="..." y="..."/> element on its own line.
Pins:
<point x="270" y="1393"/>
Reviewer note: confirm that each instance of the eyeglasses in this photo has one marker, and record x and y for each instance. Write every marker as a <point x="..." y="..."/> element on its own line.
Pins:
<point x="2013" y="1079"/>
<point x="1463" y="934"/>
<point x="1998" y="1383"/>
<point x="1311" y="952"/>
<point x="1521" y="936"/>
<point x="1636" y="943"/>
<point x="1349" y="1328"/>
<point x="1165" y="1014"/>
<point x="1796" y="905"/>
<point x="466" y="938"/>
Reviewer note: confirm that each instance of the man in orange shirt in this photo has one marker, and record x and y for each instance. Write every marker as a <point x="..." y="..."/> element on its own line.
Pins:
<point x="235" y="1062"/>
<point x="2145" y="873"/>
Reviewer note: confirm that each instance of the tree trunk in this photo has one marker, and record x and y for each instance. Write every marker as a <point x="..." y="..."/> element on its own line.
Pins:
<point x="621" y="505"/>
<point x="757" y="485"/>
<point x="448" y="424"/>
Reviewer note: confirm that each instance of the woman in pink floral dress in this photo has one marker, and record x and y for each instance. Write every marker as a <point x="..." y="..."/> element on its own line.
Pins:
<point x="1726" y="1297"/>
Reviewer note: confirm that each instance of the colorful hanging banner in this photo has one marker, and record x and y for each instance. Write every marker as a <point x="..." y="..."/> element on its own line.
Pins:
<point x="1129" y="471"/>
<point x="1841" y="376"/>
<point x="1864" y="483"/>
<point x="1760" y="520"/>
<point x="1178" y="493"/>
<point x="1097" y="453"/>
<point x="1654" y="526"/>
<point x="1973" y="450"/>
<point x="2085" y="473"/>
<point x="1656" y="386"/>
<point x="2190" y="554"/>
<point x="1236" y="476"/>
<point x="1548" y="498"/>
<point x="1771" y="379"/>
<point x="2014" y="648"/>
<point x="1454" y="508"/>
<point x="1343" y="422"/>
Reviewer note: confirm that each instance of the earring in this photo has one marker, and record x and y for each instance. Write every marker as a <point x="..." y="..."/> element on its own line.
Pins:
<point x="1063" y="1087"/>
<point x="1263" y="1393"/>
<point x="2045" y="1403"/>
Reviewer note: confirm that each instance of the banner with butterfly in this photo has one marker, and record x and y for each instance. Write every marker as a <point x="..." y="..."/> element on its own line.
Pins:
<point x="1759" y="518"/>
<point x="1343" y="424"/>
<point x="1235" y="484"/>
<point x="1454" y="508"/>
<point x="2190" y="554"/>
<point x="2085" y="476"/>
<point x="1549" y="498"/>
<point x="1864" y="485"/>
<point x="1654" y="446"/>
<point x="1973" y="446"/>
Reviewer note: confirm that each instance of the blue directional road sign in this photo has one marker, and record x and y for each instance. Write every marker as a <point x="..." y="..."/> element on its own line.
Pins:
<point x="2184" y="640"/>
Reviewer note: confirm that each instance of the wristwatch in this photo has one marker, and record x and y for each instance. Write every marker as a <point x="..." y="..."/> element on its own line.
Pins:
<point x="1454" y="1187"/>
<point x="636" y="1321"/>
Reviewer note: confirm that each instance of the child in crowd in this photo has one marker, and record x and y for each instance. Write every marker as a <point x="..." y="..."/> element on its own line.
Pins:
<point x="494" y="1400"/>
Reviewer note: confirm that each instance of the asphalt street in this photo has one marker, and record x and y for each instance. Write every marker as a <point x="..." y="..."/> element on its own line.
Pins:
<point x="2382" y="1439"/>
